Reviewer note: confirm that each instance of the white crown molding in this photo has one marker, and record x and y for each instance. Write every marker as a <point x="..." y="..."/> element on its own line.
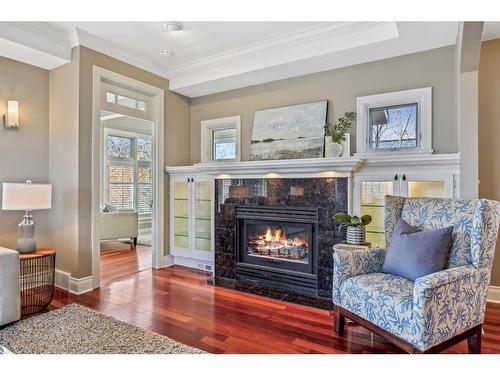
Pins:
<point x="36" y="43"/>
<point x="80" y="37"/>
<point x="304" y="36"/>
<point x="228" y="75"/>
<point x="313" y="42"/>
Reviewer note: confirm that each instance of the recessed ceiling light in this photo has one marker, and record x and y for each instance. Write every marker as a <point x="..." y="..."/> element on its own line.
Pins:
<point x="173" y="26"/>
<point x="164" y="52"/>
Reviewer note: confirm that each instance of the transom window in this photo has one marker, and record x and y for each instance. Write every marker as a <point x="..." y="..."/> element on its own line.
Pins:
<point x="393" y="127"/>
<point x="125" y="101"/>
<point x="129" y="173"/>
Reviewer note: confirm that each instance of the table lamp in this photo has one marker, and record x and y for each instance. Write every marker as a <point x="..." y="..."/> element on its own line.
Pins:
<point x="26" y="197"/>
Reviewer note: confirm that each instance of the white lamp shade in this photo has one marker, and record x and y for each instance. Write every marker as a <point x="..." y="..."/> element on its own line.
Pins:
<point x="26" y="196"/>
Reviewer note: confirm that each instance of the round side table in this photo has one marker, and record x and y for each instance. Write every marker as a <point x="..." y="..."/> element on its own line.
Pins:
<point x="36" y="280"/>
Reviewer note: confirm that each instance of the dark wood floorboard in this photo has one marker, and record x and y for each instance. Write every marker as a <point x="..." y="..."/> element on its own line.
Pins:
<point x="119" y="259"/>
<point x="177" y="302"/>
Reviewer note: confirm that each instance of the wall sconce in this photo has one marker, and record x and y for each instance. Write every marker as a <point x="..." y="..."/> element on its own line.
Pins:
<point x="12" y="116"/>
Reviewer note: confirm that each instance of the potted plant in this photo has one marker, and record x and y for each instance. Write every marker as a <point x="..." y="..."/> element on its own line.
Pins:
<point x="356" y="227"/>
<point x="335" y="134"/>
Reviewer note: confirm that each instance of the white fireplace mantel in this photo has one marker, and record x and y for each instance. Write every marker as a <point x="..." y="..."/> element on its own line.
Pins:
<point x="325" y="167"/>
<point x="316" y="167"/>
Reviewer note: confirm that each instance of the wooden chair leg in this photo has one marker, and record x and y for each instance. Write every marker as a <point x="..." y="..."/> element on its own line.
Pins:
<point x="474" y="341"/>
<point x="338" y="321"/>
<point x="135" y="241"/>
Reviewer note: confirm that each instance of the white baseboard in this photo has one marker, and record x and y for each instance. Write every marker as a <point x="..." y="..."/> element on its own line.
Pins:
<point x="167" y="261"/>
<point x="194" y="263"/>
<point x="65" y="281"/>
<point x="62" y="279"/>
<point x="494" y="294"/>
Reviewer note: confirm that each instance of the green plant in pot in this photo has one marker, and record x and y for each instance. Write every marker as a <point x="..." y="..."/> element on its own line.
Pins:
<point x="336" y="133"/>
<point x="356" y="227"/>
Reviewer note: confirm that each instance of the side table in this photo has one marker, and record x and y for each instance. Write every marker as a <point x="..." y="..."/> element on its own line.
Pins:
<point x="36" y="280"/>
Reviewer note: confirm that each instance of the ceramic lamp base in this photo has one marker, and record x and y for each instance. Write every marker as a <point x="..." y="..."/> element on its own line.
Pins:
<point x="26" y="240"/>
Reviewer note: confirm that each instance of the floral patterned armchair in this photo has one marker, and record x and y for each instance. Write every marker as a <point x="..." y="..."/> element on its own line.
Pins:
<point x="437" y="310"/>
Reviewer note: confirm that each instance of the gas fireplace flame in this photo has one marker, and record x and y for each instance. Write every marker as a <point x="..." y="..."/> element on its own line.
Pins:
<point x="275" y="244"/>
<point x="277" y="236"/>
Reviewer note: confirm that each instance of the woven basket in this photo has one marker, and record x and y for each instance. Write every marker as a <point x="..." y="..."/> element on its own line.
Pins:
<point x="356" y="235"/>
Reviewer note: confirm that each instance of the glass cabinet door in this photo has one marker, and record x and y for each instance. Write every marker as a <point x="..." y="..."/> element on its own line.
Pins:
<point x="203" y="215"/>
<point x="372" y="202"/>
<point x="432" y="189"/>
<point x="181" y="215"/>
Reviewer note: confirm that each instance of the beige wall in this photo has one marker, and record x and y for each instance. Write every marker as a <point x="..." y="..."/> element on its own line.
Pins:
<point x="177" y="137"/>
<point x="489" y="131"/>
<point x="434" y="68"/>
<point x="66" y="94"/>
<point x="24" y="152"/>
<point x="63" y="162"/>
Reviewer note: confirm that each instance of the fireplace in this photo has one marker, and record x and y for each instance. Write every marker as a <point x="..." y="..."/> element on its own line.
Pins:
<point x="277" y="246"/>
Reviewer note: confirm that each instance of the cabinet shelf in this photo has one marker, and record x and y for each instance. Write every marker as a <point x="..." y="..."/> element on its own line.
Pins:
<point x="203" y="236"/>
<point x="191" y="219"/>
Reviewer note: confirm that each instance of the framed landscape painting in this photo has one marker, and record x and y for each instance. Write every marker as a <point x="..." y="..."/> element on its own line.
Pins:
<point x="291" y="132"/>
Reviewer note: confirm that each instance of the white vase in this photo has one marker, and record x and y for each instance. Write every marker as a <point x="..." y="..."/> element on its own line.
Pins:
<point x="356" y="235"/>
<point x="346" y="146"/>
<point x="335" y="150"/>
<point x="328" y="142"/>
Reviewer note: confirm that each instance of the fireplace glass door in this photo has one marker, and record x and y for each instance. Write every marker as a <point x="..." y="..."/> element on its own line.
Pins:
<point x="280" y="244"/>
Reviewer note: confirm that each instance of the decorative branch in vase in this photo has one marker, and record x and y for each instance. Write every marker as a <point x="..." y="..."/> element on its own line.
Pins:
<point x="356" y="227"/>
<point x="336" y="133"/>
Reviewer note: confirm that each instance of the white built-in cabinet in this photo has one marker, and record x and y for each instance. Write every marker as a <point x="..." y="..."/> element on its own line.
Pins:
<point x="371" y="178"/>
<point x="191" y="220"/>
<point x="370" y="191"/>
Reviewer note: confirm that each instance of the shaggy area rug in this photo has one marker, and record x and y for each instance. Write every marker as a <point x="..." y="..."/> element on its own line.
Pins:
<point x="75" y="329"/>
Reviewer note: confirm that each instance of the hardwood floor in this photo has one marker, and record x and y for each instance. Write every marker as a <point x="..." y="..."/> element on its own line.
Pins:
<point x="177" y="302"/>
<point x="119" y="259"/>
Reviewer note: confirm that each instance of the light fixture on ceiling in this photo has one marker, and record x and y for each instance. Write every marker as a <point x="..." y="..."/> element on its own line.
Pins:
<point x="173" y="26"/>
<point x="164" y="52"/>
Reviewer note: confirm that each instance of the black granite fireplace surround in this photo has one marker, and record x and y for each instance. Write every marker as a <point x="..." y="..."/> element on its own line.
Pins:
<point x="326" y="195"/>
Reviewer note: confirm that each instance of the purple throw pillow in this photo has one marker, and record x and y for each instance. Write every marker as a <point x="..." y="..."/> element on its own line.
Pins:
<point x="413" y="253"/>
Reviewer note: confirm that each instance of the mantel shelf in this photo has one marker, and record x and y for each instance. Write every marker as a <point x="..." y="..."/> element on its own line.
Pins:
<point x="320" y="167"/>
<point x="326" y="167"/>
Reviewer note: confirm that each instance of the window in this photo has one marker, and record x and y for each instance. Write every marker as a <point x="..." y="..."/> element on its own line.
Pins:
<point x="393" y="127"/>
<point x="145" y="190"/>
<point x="224" y="144"/>
<point x="129" y="171"/>
<point x="220" y="139"/>
<point x="143" y="150"/>
<point x="125" y="101"/>
<point x="397" y="122"/>
<point x="119" y="147"/>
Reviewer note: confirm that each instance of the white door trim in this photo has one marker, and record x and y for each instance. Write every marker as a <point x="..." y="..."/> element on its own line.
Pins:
<point x="157" y="97"/>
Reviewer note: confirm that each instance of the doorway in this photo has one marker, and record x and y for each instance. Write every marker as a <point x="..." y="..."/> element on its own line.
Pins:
<point x="126" y="196"/>
<point x="127" y="177"/>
